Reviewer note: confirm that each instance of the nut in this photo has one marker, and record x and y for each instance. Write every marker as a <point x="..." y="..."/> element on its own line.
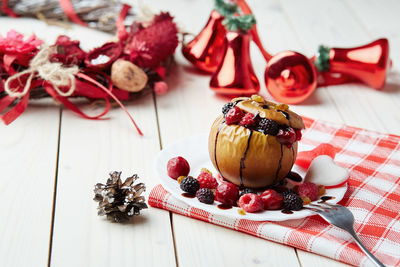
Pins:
<point x="127" y="76"/>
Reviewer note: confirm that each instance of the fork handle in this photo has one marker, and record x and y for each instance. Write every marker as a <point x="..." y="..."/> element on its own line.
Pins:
<point x="364" y="249"/>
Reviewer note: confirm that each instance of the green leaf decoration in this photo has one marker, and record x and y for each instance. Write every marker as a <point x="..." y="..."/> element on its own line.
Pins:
<point x="239" y="23"/>
<point x="322" y="61"/>
<point x="225" y="9"/>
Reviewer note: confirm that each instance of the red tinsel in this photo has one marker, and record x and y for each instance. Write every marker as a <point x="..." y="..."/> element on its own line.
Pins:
<point x="68" y="51"/>
<point x="146" y="47"/>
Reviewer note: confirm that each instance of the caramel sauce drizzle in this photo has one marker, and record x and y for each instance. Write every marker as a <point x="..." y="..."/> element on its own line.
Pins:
<point x="279" y="166"/>
<point x="242" y="165"/>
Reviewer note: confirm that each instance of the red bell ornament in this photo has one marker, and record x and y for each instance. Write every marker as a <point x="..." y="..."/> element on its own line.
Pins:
<point x="205" y="51"/>
<point x="368" y="64"/>
<point x="290" y="77"/>
<point x="235" y="75"/>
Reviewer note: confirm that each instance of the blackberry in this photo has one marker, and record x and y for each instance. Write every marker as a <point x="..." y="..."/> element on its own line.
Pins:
<point x="205" y="195"/>
<point x="190" y="185"/>
<point x="292" y="201"/>
<point x="268" y="126"/>
<point x="287" y="191"/>
<point x="227" y="107"/>
<point x="247" y="191"/>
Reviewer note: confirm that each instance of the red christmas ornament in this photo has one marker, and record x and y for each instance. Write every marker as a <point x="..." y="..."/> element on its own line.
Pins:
<point x="254" y="33"/>
<point x="367" y="64"/>
<point x="235" y="74"/>
<point x="290" y="77"/>
<point x="205" y="51"/>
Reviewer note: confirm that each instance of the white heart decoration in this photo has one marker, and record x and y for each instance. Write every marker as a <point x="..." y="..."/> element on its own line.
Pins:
<point x="324" y="171"/>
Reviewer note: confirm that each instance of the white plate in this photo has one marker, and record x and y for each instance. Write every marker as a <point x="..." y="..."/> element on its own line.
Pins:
<point x="195" y="150"/>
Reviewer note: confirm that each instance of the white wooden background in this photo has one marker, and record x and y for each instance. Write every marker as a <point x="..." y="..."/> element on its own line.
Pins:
<point x="50" y="158"/>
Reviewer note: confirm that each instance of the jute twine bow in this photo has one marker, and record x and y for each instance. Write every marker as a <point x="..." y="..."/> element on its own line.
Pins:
<point x="52" y="72"/>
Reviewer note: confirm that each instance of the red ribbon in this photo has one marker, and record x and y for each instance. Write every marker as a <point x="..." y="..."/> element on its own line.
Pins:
<point x="8" y="11"/>
<point x="84" y="76"/>
<point x="83" y="89"/>
<point x="253" y="31"/>
<point x="121" y="30"/>
<point x="69" y="10"/>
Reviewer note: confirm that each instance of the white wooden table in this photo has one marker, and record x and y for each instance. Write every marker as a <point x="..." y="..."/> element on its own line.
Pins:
<point x="50" y="158"/>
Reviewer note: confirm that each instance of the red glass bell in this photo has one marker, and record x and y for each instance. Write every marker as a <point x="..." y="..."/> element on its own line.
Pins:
<point x="235" y="75"/>
<point x="290" y="77"/>
<point x="205" y="51"/>
<point x="368" y="63"/>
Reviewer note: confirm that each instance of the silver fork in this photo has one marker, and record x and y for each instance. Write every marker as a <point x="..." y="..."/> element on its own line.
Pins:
<point x="341" y="217"/>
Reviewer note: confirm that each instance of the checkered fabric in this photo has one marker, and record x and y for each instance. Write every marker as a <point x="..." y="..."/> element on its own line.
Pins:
<point x="373" y="197"/>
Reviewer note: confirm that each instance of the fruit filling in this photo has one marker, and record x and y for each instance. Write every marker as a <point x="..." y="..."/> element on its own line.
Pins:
<point x="285" y="135"/>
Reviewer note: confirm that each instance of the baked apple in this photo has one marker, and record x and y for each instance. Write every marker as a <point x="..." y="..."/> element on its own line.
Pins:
<point x="254" y="142"/>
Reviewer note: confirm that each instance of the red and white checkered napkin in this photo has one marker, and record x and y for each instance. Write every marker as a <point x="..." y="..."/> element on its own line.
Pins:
<point x="373" y="197"/>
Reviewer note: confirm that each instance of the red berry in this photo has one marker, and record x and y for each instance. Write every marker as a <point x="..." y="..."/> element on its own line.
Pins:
<point x="177" y="167"/>
<point x="251" y="202"/>
<point x="206" y="180"/>
<point x="298" y="134"/>
<point x="272" y="200"/>
<point x="234" y="115"/>
<point x="309" y="190"/>
<point x="248" y="120"/>
<point x="286" y="136"/>
<point x="227" y="193"/>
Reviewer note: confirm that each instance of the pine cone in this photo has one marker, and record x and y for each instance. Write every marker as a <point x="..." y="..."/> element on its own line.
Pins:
<point x="120" y="201"/>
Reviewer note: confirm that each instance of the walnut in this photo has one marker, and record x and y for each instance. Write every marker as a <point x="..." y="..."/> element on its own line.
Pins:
<point x="127" y="76"/>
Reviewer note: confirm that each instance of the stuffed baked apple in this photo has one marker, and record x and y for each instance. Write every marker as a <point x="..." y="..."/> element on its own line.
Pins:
<point x="254" y="142"/>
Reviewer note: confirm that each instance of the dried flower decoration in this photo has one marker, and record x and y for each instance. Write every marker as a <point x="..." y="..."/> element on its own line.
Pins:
<point x="120" y="201"/>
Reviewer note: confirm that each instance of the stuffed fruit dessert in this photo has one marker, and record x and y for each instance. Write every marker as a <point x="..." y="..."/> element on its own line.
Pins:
<point x="254" y="142"/>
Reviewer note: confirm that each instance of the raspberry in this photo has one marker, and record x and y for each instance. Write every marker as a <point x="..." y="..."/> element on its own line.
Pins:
<point x="190" y="185"/>
<point x="248" y="120"/>
<point x="298" y="134"/>
<point x="247" y="191"/>
<point x="286" y="136"/>
<point x="227" y="193"/>
<point x="227" y="107"/>
<point x="177" y="167"/>
<point x="272" y="200"/>
<point x="267" y="126"/>
<point x="205" y="170"/>
<point x="309" y="190"/>
<point x="205" y="195"/>
<point x="206" y="180"/>
<point x="251" y="202"/>
<point x="291" y="201"/>
<point x="234" y="115"/>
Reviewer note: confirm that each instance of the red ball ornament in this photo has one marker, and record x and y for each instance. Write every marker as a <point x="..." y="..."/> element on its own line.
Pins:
<point x="290" y="77"/>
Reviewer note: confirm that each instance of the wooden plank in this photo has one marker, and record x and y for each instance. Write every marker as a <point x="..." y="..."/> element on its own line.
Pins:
<point x="333" y="24"/>
<point x="89" y="150"/>
<point x="189" y="108"/>
<point x="28" y="164"/>
<point x="380" y="20"/>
